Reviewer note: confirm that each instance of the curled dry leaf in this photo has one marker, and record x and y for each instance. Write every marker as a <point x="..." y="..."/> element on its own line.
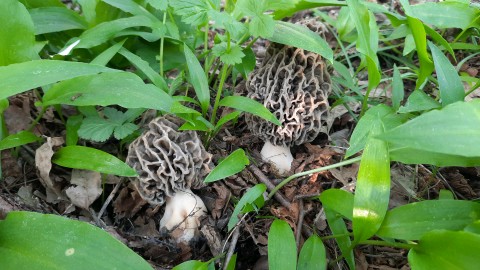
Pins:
<point x="43" y="162"/>
<point x="87" y="189"/>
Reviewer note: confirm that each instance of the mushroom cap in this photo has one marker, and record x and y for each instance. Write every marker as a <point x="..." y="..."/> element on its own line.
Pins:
<point x="294" y="85"/>
<point x="167" y="160"/>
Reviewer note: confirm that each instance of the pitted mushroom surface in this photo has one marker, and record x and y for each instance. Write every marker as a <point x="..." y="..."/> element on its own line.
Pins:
<point x="294" y="85"/>
<point x="170" y="162"/>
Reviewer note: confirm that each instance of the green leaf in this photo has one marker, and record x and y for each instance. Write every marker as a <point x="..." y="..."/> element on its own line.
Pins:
<point x="194" y="12"/>
<point x="231" y="165"/>
<point x="418" y="101"/>
<point x="282" y="249"/>
<point x="103" y="58"/>
<point x="18" y="78"/>
<point x="397" y="88"/>
<point x="124" y="130"/>
<point x="250" y="197"/>
<point x="453" y="130"/>
<point x="248" y="62"/>
<point x="338" y="227"/>
<point x="21" y="138"/>
<point x="449" y="83"/>
<point x="339" y="201"/>
<point x="446" y="250"/>
<point x="56" y="19"/>
<point x="280" y="4"/>
<point x="372" y="117"/>
<point x="18" y="39"/>
<point x="262" y="25"/>
<point x="409" y="155"/>
<point x="304" y="5"/>
<point x="86" y="158"/>
<point x="440" y="40"/>
<point x="192" y="265"/>
<point x="198" y="79"/>
<point x="249" y="105"/>
<point x="73" y="124"/>
<point x="301" y="37"/>
<point x="225" y="119"/>
<point x="133" y="8"/>
<point x="372" y="192"/>
<point x="412" y="221"/>
<point x="453" y="14"/>
<point x="367" y="42"/>
<point x="228" y="57"/>
<point x="105" y="31"/>
<point x="124" y="89"/>
<point x="145" y="68"/>
<point x="96" y="129"/>
<point x="37" y="241"/>
<point x="312" y="255"/>
<point x="232" y="262"/>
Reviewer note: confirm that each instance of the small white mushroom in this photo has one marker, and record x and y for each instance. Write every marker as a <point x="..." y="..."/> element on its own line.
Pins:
<point x="170" y="162"/>
<point x="294" y="85"/>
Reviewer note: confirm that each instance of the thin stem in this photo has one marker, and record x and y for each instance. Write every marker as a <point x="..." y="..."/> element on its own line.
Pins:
<point x="219" y="94"/>
<point x="387" y="244"/>
<point x="333" y="166"/>
<point x="161" y="44"/>
<point x="39" y="116"/>
<point x="205" y="37"/>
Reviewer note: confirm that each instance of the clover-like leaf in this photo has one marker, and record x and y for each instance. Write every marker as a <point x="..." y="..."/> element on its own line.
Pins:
<point x="229" y="56"/>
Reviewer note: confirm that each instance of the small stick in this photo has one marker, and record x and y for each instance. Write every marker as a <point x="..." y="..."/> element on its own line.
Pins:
<point x="301" y="215"/>
<point x="108" y="200"/>
<point x="262" y="178"/>
<point x="231" y="249"/>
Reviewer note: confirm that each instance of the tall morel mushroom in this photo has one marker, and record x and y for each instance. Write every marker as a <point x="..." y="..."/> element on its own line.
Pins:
<point x="294" y="85"/>
<point x="170" y="162"/>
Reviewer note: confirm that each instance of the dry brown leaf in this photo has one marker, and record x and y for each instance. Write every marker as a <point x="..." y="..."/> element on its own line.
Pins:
<point x="16" y="119"/>
<point x="222" y="200"/>
<point x="87" y="189"/>
<point x="43" y="162"/>
<point x="128" y="202"/>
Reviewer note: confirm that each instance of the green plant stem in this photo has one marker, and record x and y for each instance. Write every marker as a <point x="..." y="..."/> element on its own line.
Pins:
<point x="387" y="244"/>
<point x="205" y="37"/>
<point x="329" y="167"/>
<point x="219" y="93"/>
<point x="162" y="40"/>
<point x="35" y="122"/>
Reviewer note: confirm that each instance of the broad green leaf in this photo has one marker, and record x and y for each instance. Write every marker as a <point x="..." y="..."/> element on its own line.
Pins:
<point x="410" y="155"/>
<point x="249" y="105"/>
<point x="18" y="39"/>
<point x="89" y="10"/>
<point x="124" y="89"/>
<point x="18" y="78"/>
<point x="96" y="129"/>
<point x="198" y="79"/>
<point x="445" y="194"/>
<point x="56" y="19"/>
<point x="192" y="265"/>
<point x="449" y="83"/>
<point x="282" y="249"/>
<point x="397" y="88"/>
<point x="262" y="25"/>
<point x="252" y="195"/>
<point x="105" y="31"/>
<point x="372" y="192"/>
<point x="367" y="42"/>
<point x="248" y="62"/>
<point x="473" y="227"/>
<point x="36" y="241"/>
<point x="103" y="58"/>
<point x="21" y="138"/>
<point x="231" y="165"/>
<point x="230" y="56"/>
<point x="453" y="14"/>
<point x="41" y="3"/>
<point x="225" y="119"/>
<point x="133" y="8"/>
<point x="145" y="68"/>
<point x="304" y="5"/>
<point x="301" y="37"/>
<point x="339" y="201"/>
<point x="446" y="250"/>
<point x="338" y="227"/>
<point x="372" y="117"/>
<point x="194" y="12"/>
<point x="86" y="158"/>
<point x="453" y="130"/>
<point x="412" y="221"/>
<point x="419" y="101"/>
<point x="232" y="262"/>
<point x="73" y="124"/>
<point x="312" y="255"/>
<point x="440" y="40"/>
<point x="420" y="37"/>
<point x="280" y="4"/>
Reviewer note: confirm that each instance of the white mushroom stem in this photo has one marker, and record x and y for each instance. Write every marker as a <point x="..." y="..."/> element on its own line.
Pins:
<point x="279" y="156"/>
<point x="182" y="215"/>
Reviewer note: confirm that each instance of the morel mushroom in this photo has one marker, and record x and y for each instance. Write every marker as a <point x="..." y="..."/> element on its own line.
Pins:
<point x="294" y="85"/>
<point x="169" y="162"/>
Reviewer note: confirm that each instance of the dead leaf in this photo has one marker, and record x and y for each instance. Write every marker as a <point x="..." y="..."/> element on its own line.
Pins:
<point x="43" y="162"/>
<point x="87" y="189"/>
<point x="128" y="202"/>
<point x="346" y="174"/>
<point x="222" y="200"/>
<point x="16" y="119"/>
<point x="26" y="193"/>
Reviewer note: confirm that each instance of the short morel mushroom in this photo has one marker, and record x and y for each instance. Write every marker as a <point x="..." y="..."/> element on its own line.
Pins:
<point x="169" y="162"/>
<point x="294" y="85"/>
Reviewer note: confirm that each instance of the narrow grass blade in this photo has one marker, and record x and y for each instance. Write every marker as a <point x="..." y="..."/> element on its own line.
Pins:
<point x="249" y="105"/>
<point x="397" y="88"/>
<point x="231" y="165"/>
<point x="198" y="79"/>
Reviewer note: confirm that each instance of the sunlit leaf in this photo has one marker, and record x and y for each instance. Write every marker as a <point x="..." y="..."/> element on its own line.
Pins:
<point x="282" y="249"/>
<point x="312" y="255"/>
<point x="21" y="138"/>
<point x="231" y="165"/>
<point x="251" y="196"/>
<point x="249" y="105"/>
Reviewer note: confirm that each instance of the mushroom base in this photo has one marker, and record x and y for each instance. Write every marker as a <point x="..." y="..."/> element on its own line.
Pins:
<point x="182" y="215"/>
<point x="279" y="156"/>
